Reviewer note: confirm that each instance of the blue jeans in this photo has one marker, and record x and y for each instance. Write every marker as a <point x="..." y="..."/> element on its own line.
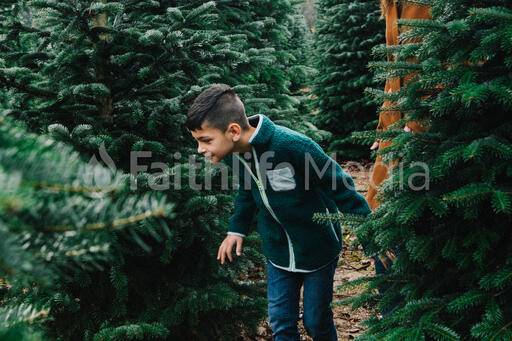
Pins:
<point x="283" y="292"/>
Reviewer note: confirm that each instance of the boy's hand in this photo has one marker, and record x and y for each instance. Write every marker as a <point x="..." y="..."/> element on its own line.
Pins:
<point x="374" y="146"/>
<point x="226" y="247"/>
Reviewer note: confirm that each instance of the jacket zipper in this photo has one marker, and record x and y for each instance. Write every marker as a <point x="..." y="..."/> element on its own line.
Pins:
<point x="267" y="205"/>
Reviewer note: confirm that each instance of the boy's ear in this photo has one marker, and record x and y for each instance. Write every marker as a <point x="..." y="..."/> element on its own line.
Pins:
<point x="235" y="131"/>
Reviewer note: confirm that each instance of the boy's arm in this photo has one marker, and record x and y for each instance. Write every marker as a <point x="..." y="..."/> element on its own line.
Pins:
<point x="240" y="221"/>
<point x="335" y="183"/>
<point x="239" y="225"/>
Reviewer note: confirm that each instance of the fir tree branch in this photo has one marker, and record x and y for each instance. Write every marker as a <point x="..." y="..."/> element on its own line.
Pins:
<point x="159" y="212"/>
<point x="324" y="217"/>
<point x="11" y="83"/>
<point x="71" y="189"/>
<point x="395" y="65"/>
<point x="471" y="195"/>
<point x="426" y="3"/>
<point x="502" y="329"/>
<point x="22" y="313"/>
<point x="442" y="332"/>
<point x="496" y="13"/>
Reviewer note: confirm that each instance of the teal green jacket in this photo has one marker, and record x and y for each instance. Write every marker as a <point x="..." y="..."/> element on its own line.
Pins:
<point x="287" y="178"/>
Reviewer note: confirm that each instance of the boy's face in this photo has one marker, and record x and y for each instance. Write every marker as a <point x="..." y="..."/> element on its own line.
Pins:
<point x="215" y="144"/>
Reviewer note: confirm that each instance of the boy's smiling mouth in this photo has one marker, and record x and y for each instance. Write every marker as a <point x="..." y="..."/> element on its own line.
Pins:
<point x="209" y="156"/>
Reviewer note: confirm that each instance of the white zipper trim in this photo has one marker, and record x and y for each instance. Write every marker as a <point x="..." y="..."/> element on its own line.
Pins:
<point x="257" y="127"/>
<point x="237" y="234"/>
<point x="267" y="205"/>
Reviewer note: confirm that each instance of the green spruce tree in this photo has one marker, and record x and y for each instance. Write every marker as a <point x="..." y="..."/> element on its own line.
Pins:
<point x="274" y="63"/>
<point x="60" y="219"/>
<point x="446" y="208"/>
<point x="345" y="33"/>
<point x="113" y="78"/>
<point x="300" y="45"/>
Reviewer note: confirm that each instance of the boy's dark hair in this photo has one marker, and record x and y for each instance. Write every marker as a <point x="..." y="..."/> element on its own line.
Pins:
<point x="219" y="106"/>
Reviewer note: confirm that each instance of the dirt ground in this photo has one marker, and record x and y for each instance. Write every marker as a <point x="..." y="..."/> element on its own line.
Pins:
<point x="352" y="265"/>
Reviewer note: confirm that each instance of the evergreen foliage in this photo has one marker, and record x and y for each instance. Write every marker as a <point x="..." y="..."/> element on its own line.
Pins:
<point x="446" y="206"/>
<point x="346" y="32"/>
<point x="60" y="219"/>
<point x="275" y="62"/>
<point x="112" y="78"/>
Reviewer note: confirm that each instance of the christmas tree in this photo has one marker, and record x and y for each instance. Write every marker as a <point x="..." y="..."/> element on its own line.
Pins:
<point x="446" y="208"/>
<point x="345" y="33"/>
<point x="113" y="79"/>
<point x="274" y="62"/>
<point x="60" y="219"/>
<point x="300" y="45"/>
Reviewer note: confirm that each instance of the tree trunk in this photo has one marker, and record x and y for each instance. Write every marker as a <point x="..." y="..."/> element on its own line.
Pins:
<point x="101" y="70"/>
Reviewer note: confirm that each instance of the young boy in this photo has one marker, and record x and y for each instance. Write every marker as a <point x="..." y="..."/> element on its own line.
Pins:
<point x="303" y="180"/>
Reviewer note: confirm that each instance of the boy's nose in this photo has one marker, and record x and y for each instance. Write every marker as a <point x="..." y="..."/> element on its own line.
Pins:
<point x="200" y="150"/>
